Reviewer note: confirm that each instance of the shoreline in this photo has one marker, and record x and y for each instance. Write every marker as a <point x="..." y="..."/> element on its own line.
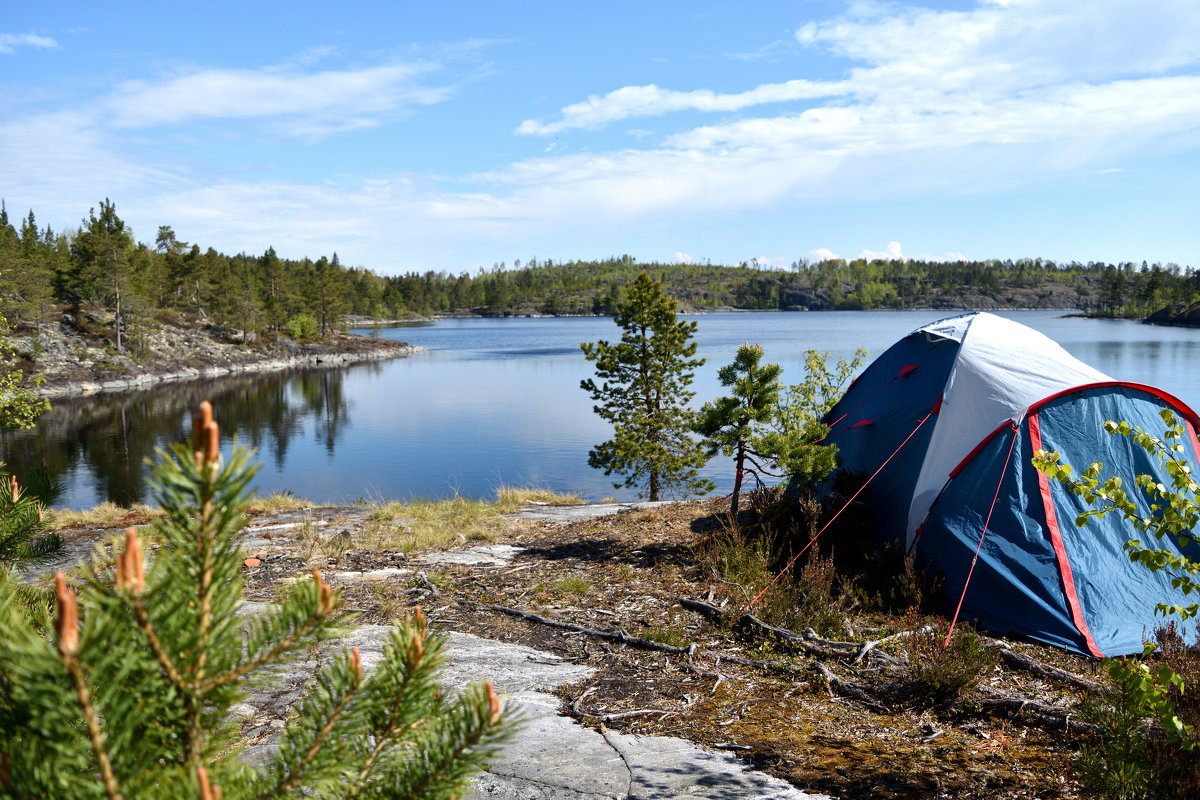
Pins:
<point x="74" y="361"/>
<point x="150" y="377"/>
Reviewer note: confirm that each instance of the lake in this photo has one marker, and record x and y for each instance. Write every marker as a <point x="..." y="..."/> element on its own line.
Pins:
<point x="490" y="402"/>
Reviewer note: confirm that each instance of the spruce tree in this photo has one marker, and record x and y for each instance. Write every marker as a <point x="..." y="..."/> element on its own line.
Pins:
<point x="641" y="387"/>
<point x="129" y="695"/>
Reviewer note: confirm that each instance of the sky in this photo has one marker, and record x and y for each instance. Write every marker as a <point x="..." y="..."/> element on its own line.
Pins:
<point x="409" y="136"/>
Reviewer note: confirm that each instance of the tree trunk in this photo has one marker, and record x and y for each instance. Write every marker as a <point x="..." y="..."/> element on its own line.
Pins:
<point x="117" y="318"/>
<point x="737" y="480"/>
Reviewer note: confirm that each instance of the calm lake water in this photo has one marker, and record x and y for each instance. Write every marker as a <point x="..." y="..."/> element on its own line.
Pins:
<point x="491" y="402"/>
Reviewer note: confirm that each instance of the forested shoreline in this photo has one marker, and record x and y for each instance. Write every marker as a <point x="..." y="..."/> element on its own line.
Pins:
<point x="101" y="265"/>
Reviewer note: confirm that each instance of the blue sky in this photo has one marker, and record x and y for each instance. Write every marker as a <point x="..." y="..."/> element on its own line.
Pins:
<point x="415" y="135"/>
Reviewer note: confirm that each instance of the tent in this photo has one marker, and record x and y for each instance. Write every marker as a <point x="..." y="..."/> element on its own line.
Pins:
<point x="949" y="417"/>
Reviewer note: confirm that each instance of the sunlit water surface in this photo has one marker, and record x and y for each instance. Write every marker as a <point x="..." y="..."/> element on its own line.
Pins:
<point x="490" y="402"/>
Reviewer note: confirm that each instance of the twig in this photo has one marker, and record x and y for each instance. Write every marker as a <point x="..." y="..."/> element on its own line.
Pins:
<point x="434" y="594"/>
<point x="575" y="706"/>
<point x="637" y="713"/>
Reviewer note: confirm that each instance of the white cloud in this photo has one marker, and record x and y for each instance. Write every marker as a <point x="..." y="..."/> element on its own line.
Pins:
<point x="684" y="258"/>
<point x="9" y="42"/>
<point x="892" y="253"/>
<point x="315" y="104"/>
<point x="646" y="101"/>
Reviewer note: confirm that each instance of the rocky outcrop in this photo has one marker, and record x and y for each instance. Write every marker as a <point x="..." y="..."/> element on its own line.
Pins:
<point x="73" y="363"/>
<point x="1179" y="314"/>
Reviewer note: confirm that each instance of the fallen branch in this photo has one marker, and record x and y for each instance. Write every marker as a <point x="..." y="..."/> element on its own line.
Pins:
<point x="809" y="642"/>
<point x="1039" y="714"/>
<point x="1024" y="663"/>
<point x="848" y="689"/>
<point x="711" y="612"/>
<point x="641" y="712"/>
<point x="778" y="666"/>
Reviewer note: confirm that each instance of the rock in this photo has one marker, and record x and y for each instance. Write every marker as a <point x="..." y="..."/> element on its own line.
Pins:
<point x="74" y="364"/>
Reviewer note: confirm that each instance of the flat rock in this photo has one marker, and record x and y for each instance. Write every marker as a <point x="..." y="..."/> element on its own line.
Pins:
<point x="491" y="554"/>
<point x="553" y="757"/>
<point x="567" y="514"/>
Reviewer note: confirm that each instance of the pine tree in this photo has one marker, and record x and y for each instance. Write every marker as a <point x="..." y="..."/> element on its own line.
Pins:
<point x="643" y="392"/>
<point x="129" y="695"/>
<point x="737" y="424"/>
<point x="102" y="252"/>
<point x="22" y="519"/>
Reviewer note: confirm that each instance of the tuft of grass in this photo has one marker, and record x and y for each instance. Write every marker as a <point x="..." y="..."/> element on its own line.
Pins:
<point x="511" y="498"/>
<point x="105" y="515"/>
<point x="665" y="634"/>
<point x="277" y="502"/>
<point x="430" y="524"/>
<point x="572" y="586"/>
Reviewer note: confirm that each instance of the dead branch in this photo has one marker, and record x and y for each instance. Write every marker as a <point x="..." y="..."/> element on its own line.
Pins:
<point x="1024" y="663"/>
<point x="641" y="712"/>
<point x="1054" y="718"/>
<point x="848" y="689"/>
<point x="778" y="666"/>
<point x="709" y="611"/>
<point x="808" y="642"/>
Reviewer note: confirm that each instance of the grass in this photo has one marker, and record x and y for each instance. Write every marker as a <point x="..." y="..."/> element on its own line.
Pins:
<point x="277" y="502"/>
<point x="105" y="515"/>
<point x="108" y="515"/>
<point x="572" y="586"/>
<point x="425" y="524"/>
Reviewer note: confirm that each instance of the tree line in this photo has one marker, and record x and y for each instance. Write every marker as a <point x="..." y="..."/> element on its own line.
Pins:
<point x="101" y="264"/>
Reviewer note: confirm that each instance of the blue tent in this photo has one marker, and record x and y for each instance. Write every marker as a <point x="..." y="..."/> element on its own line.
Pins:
<point x="949" y="417"/>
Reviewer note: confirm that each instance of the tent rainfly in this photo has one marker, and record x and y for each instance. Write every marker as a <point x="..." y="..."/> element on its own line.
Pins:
<point x="961" y="406"/>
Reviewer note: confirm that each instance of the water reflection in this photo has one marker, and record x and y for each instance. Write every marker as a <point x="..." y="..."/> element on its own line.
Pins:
<point x="491" y="402"/>
<point x="100" y="444"/>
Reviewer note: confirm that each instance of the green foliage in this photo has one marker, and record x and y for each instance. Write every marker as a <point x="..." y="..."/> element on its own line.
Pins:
<point x="1164" y="512"/>
<point x="799" y="414"/>
<point x="940" y="673"/>
<point x="302" y="326"/>
<point x="643" y="392"/>
<point x="130" y="696"/>
<point x="1117" y="763"/>
<point x="736" y="425"/>
<point x="1125" y="759"/>
<point x="19" y="405"/>
<point x="22" y="520"/>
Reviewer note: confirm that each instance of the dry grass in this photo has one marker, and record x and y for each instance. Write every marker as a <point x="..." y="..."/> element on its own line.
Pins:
<point x="105" y="515"/>
<point x="437" y="524"/>
<point x="277" y="502"/>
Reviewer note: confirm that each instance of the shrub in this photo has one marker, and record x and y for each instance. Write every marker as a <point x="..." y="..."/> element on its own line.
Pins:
<point x="302" y="326"/>
<point x="939" y="673"/>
